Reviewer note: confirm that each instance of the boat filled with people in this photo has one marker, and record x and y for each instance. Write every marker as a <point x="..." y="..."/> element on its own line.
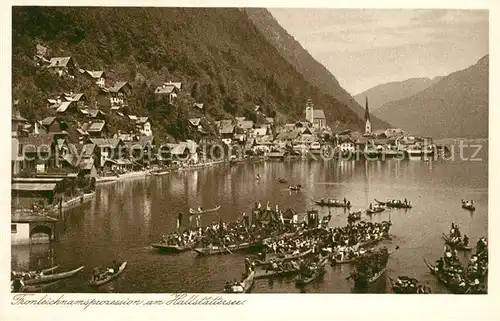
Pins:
<point x="468" y="205"/>
<point x="369" y="268"/>
<point x="408" y="285"/>
<point x="44" y="278"/>
<point x="373" y="209"/>
<point x="200" y="210"/>
<point x="297" y="187"/>
<point x="458" y="279"/>
<point x="102" y="276"/>
<point x="392" y="203"/>
<point x="243" y="286"/>
<point x="311" y="270"/>
<point x="354" y="216"/>
<point x="334" y="203"/>
<point x="455" y="239"/>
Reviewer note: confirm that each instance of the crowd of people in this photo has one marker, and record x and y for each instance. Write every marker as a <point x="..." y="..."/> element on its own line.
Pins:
<point x="460" y="279"/>
<point x="367" y="266"/>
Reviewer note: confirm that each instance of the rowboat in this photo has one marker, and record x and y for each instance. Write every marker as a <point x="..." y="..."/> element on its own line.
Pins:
<point x="246" y="284"/>
<point x="398" y="290"/>
<point x="44" y="271"/>
<point x="197" y="212"/>
<point x="282" y="181"/>
<point x="262" y="274"/>
<point x="375" y="209"/>
<point x="53" y="277"/>
<point x="213" y="250"/>
<point x="452" y="287"/>
<point x="350" y="260"/>
<point x="458" y="246"/>
<point x="394" y="203"/>
<point x="326" y="219"/>
<point x="160" y="173"/>
<point x="37" y="287"/>
<point x="173" y="248"/>
<point x="301" y="280"/>
<point x="109" y="277"/>
<point x="354" y="216"/>
<point x="285" y="258"/>
<point x="377" y="275"/>
<point x="333" y="203"/>
<point x="469" y="207"/>
<point x="295" y="187"/>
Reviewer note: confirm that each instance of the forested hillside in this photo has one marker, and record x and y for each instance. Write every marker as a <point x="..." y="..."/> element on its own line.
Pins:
<point x="220" y="57"/>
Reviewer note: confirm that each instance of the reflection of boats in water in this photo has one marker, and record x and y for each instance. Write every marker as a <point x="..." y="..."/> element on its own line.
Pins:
<point x="202" y="211"/>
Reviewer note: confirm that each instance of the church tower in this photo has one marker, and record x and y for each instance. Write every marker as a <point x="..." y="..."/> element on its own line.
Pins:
<point x="368" y="124"/>
<point x="309" y="110"/>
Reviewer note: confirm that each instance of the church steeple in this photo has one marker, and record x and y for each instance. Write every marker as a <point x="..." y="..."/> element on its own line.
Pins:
<point x="368" y="125"/>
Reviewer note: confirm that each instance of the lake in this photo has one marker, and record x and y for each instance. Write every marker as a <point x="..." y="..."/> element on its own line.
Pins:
<point x="127" y="216"/>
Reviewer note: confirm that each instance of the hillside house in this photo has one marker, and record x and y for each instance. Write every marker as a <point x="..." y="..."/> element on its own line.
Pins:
<point x="108" y="149"/>
<point x="227" y="133"/>
<point x="269" y="120"/>
<point x="17" y="121"/>
<point x="245" y="125"/>
<point x="261" y="132"/>
<point x="167" y="91"/>
<point x="63" y="66"/>
<point x="198" y="106"/>
<point x="96" y="129"/>
<point x="68" y="108"/>
<point x="97" y="76"/>
<point x="52" y="125"/>
<point x="38" y="152"/>
<point x="96" y="114"/>
<point x="143" y="124"/>
<point x="119" y="93"/>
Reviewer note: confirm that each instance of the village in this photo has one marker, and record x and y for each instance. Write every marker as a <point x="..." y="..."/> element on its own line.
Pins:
<point x="58" y="160"/>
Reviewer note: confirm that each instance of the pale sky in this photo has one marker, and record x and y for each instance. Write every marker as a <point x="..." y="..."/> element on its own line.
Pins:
<point x="366" y="47"/>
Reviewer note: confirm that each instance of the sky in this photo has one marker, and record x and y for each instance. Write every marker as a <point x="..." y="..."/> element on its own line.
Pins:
<point x="366" y="47"/>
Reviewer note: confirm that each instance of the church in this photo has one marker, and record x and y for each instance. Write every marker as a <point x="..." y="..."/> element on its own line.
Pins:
<point x="315" y="116"/>
<point x="368" y="124"/>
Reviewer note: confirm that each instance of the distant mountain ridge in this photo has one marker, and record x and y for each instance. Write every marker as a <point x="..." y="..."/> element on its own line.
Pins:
<point x="395" y="90"/>
<point x="455" y="106"/>
<point x="313" y="71"/>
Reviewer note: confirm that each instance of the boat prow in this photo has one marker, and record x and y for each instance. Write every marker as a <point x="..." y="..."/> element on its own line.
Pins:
<point x="53" y="277"/>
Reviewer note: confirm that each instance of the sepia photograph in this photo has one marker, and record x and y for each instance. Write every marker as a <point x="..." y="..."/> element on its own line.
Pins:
<point x="249" y="150"/>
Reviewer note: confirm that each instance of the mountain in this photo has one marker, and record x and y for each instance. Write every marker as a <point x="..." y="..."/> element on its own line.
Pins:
<point x="455" y="106"/>
<point x="313" y="71"/>
<point x="384" y="93"/>
<point x="218" y="54"/>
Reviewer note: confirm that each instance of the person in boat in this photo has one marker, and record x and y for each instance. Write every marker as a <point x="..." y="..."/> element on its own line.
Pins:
<point x="345" y="201"/>
<point x="16" y="284"/>
<point x="370" y="207"/>
<point x="465" y="240"/>
<point x="406" y="201"/>
<point x="96" y="274"/>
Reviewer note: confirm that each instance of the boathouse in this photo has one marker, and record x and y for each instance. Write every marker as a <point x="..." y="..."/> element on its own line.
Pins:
<point x="30" y="228"/>
<point x="30" y="192"/>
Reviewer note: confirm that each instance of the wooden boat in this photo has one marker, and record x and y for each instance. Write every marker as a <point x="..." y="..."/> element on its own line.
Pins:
<point x="37" y="287"/>
<point x="468" y="206"/>
<point x="262" y="274"/>
<point x="282" y="181"/>
<point x="354" y="216"/>
<point x="109" y="277"/>
<point x="350" y="260"/>
<point x="452" y="287"/>
<point x="287" y="257"/>
<point x="160" y="173"/>
<point x="246" y="284"/>
<point x="394" y="203"/>
<point x="398" y="290"/>
<point x="375" y="209"/>
<point x="196" y="212"/>
<point x="377" y="276"/>
<point x="173" y="248"/>
<point x="459" y="247"/>
<point x="228" y="249"/>
<point x="53" y="277"/>
<point x="333" y="203"/>
<point x="295" y="187"/>
<point x="301" y="280"/>
<point x="44" y="271"/>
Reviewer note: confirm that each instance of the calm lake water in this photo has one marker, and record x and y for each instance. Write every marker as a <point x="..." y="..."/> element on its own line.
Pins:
<point x="125" y="217"/>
